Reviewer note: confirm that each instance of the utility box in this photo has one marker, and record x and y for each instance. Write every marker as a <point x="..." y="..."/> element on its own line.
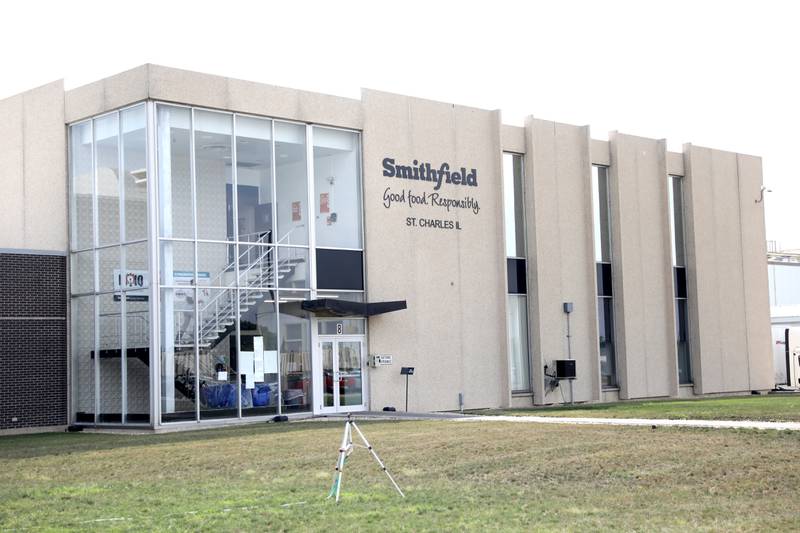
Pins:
<point x="565" y="368"/>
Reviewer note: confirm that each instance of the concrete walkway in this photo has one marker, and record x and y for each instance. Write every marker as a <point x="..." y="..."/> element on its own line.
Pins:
<point x="715" y="424"/>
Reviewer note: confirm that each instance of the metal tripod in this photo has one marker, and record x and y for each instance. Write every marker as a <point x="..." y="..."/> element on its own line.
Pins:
<point x="346" y="449"/>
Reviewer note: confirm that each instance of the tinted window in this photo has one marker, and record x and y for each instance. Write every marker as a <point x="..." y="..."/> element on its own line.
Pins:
<point x="340" y="269"/>
<point x="516" y="276"/>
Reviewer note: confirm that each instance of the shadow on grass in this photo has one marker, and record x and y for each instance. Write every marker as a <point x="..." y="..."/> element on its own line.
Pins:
<point x="42" y="444"/>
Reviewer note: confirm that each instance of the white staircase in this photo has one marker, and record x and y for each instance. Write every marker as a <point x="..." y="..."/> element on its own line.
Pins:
<point x="259" y="267"/>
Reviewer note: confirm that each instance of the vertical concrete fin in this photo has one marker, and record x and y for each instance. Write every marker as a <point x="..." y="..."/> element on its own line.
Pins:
<point x="672" y="354"/>
<point x="532" y="148"/>
<point x="499" y="249"/>
<point x="754" y="269"/>
<point x="727" y="280"/>
<point x="696" y="234"/>
<point x="560" y="238"/>
<point x="641" y="267"/>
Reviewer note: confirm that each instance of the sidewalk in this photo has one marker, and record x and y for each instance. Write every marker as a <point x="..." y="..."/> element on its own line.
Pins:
<point x="714" y="424"/>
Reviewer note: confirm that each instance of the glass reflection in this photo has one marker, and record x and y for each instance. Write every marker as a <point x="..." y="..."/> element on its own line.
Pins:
<point x="110" y="357"/>
<point x="328" y="374"/>
<point x="518" y="342"/>
<point x="134" y="171"/>
<point x="176" y="218"/>
<point x="513" y="209"/>
<point x="350" y="378"/>
<point x="259" y="348"/>
<point x="213" y="175"/>
<point x="295" y="361"/>
<point x="81" y="185"/>
<point x="605" y="316"/>
<point x="337" y="188"/>
<point x="82" y="337"/>
<point x="218" y="371"/>
<point x="254" y="179"/>
<point x="178" y="367"/>
<point x="291" y="176"/>
<point x="106" y="139"/>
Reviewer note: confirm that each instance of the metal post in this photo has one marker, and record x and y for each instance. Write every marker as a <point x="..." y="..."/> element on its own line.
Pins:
<point x="569" y="356"/>
<point x="406" y="393"/>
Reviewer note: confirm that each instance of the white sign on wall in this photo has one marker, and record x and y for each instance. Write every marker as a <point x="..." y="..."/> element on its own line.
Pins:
<point x="381" y="360"/>
<point x="134" y="282"/>
<point x="257" y="363"/>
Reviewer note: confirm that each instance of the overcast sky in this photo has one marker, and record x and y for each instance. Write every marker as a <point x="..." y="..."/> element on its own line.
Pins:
<point x="722" y="74"/>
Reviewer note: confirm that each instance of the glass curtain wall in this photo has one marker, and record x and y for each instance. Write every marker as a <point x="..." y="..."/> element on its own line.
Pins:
<point x="517" y="318"/>
<point x="679" y="279"/>
<point x="110" y="315"/>
<point x="605" y="294"/>
<point x="241" y="201"/>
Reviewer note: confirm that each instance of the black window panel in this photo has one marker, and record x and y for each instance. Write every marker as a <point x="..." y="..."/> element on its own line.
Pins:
<point x="680" y="282"/>
<point x="604" y="279"/>
<point x="340" y="269"/>
<point x="517" y="281"/>
<point x="608" y="356"/>
<point x="682" y="334"/>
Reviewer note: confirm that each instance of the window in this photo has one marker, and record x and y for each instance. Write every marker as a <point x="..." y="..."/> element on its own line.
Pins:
<point x="517" y="318"/>
<point x="513" y="205"/>
<point x="337" y="188"/>
<point x="605" y="294"/>
<point x="679" y="269"/>
<point x="109" y="268"/>
<point x="237" y="227"/>
<point x="518" y="342"/>
<point x="241" y="200"/>
<point x="291" y="178"/>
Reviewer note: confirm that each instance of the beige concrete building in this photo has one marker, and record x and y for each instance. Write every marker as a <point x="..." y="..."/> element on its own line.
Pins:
<point x="229" y="250"/>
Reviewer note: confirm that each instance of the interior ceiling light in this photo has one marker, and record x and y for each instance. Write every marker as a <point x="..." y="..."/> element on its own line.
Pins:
<point x="139" y="175"/>
<point x="215" y="147"/>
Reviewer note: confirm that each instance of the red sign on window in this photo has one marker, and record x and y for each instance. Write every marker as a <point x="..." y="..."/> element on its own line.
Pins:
<point x="324" y="206"/>
<point x="296" y="212"/>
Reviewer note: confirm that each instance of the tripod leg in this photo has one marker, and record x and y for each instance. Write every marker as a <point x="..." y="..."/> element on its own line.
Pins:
<point x="378" y="459"/>
<point x="348" y="447"/>
<point x="337" y="478"/>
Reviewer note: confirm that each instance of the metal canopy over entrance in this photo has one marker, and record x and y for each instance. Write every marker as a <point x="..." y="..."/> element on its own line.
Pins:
<point x="329" y="307"/>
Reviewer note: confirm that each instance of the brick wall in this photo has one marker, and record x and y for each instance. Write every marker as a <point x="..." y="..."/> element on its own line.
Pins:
<point x="33" y="340"/>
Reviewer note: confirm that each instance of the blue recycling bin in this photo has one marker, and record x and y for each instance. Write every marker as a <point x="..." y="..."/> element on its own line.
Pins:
<point x="261" y="395"/>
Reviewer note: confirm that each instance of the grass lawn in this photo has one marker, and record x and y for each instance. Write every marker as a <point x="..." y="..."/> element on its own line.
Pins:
<point x="775" y="408"/>
<point x="457" y="475"/>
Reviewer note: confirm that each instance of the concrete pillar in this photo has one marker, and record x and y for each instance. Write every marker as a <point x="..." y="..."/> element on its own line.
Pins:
<point x="644" y="302"/>
<point x="727" y="272"/>
<point x="560" y="256"/>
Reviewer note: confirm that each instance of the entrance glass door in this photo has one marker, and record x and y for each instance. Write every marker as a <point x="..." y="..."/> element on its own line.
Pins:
<point x="342" y="379"/>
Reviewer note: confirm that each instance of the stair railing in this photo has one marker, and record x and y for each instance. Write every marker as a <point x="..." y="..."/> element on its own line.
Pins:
<point x="222" y="312"/>
<point x="137" y="333"/>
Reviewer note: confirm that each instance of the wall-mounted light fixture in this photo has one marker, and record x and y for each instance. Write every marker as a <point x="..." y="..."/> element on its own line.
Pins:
<point x="761" y="197"/>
